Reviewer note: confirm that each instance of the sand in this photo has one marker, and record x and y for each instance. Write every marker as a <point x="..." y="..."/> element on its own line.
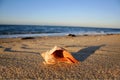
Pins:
<point x="98" y="55"/>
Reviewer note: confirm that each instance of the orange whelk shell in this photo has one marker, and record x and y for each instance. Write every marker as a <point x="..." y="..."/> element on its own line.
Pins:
<point x="58" y="54"/>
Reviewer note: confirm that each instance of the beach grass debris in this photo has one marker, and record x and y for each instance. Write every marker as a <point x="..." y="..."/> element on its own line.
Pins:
<point x="71" y="35"/>
<point x="25" y="38"/>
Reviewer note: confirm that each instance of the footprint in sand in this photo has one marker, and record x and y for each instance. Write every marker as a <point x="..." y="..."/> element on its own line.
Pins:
<point x="1" y="49"/>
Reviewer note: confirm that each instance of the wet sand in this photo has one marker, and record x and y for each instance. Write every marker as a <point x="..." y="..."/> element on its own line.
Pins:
<point x="99" y="58"/>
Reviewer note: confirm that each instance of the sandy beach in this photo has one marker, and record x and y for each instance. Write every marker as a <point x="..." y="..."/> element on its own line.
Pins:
<point x="98" y="56"/>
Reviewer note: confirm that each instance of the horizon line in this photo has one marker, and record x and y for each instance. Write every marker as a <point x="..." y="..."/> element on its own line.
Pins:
<point x="63" y="25"/>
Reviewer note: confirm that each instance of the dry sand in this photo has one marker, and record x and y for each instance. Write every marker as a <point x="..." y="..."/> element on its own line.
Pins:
<point x="99" y="58"/>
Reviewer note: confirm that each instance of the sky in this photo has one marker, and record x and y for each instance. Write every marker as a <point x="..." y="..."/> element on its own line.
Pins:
<point x="93" y="13"/>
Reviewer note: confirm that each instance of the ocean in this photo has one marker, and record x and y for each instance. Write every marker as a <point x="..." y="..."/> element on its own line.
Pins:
<point x="15" y="31"/>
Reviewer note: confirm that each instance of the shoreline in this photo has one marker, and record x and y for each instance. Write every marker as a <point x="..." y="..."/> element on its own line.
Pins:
<point x="45" y="37"/>
<point x="56" y="34"/>
<point x="63" y="35"/>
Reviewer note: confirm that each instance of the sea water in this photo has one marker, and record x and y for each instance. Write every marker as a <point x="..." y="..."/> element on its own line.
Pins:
<point x="14" y="31"/>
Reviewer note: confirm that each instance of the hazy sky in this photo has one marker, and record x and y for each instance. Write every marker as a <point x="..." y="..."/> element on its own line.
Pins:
<point x="99" y="13"/>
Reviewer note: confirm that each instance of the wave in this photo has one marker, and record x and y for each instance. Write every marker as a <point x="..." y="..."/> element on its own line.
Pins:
<point x="13" y="31"/>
